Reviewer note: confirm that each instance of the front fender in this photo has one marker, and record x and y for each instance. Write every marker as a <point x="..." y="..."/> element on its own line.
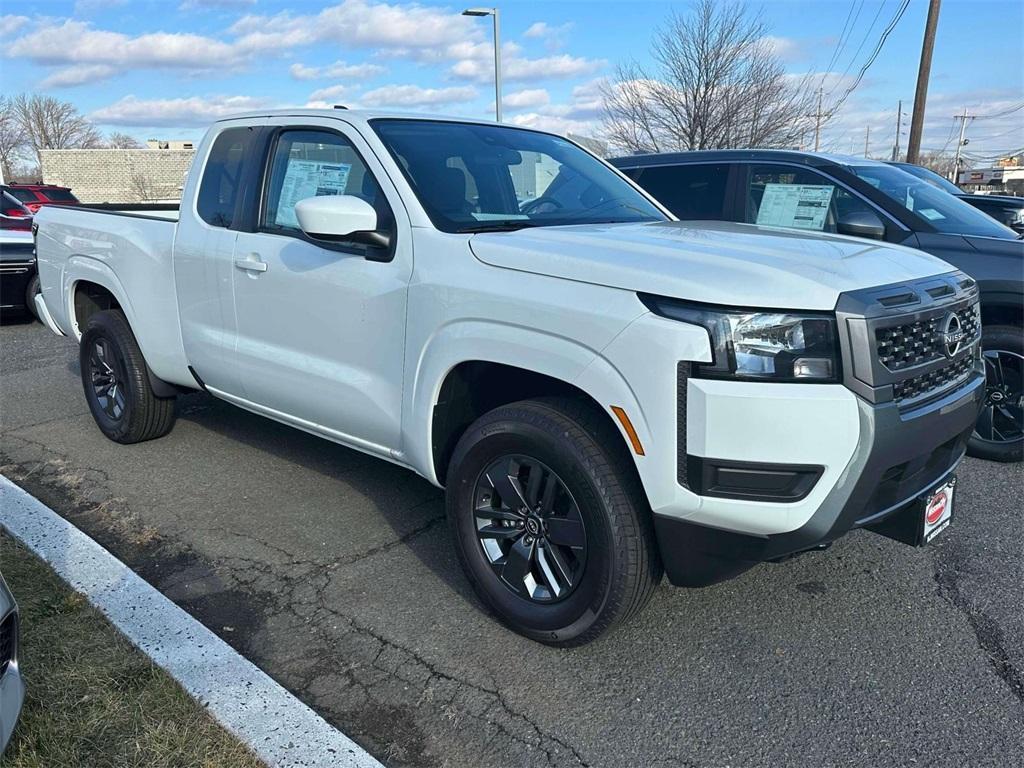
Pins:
<point x="506" y="344"/>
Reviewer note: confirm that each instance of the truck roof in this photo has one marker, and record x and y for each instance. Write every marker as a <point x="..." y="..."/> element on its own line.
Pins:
<point x="355" y="115"/>
<point x="725" y="155"/>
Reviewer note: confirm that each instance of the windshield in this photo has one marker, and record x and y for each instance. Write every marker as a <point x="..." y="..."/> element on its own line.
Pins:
<point x="927" y="174"/>
<point x="940" y="209"/>
<point x="474" y="178"/>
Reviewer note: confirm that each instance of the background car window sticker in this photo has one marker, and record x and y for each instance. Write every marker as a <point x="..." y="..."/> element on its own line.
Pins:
<point x="307" y="178"/>
<point x="800" y="206"/>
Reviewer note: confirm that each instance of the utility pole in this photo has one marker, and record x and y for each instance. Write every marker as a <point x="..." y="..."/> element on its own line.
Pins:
<point x="896" y="146"/>
<point x="817" y="124"/>
<point x="961" y="142"/>
<point x="867" y="139"/>
<point x="923" y="72"/>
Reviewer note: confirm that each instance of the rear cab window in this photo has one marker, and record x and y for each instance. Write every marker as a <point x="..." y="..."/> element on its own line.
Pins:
<point x="58" y="195"/>
<point x="221" y="182"/>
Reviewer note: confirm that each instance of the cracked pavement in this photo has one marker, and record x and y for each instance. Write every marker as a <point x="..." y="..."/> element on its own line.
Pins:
<point x="332" y="571"/>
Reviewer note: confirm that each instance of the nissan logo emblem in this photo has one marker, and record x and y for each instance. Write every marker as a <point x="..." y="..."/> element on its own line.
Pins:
<point x="952" y="334"/>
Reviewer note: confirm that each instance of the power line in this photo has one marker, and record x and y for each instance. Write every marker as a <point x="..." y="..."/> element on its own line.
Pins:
<point x="859" y="47"/>
<point x="1004" y="113"/>
<point x="842" y="38"/>
<point x="874" y="55"/>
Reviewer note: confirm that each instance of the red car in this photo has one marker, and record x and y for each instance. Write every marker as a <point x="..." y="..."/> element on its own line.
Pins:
<point x="35" y="196"/>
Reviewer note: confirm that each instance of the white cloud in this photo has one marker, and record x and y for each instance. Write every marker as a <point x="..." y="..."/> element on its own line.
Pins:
<point x="194" y="111"/>
<point x="75" y="42"/>
<point x="526" y="99"/>
<point x="519" y="69"/>
<point x="331" y="92"/>
<point x="197" y="5"/>
<point x="338" y="69"/>
<point x="415" y="96"/>
<point x="9" y="24"/>
<point x="552" y="35"/>
<point x="78" y="74"/>
<point x="786" y="48"/>
<point x="553" y="124"/>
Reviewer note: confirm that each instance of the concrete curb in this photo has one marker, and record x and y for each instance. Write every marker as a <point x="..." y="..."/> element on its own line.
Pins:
<point x="279" y="728"/>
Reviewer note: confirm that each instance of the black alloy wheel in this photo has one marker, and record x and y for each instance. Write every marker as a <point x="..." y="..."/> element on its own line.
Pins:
<point x="999" y="432"/>
<point x="107" y="376"/>
<point x="116" y="381"/>
<point x="530" y="528"/>
<point x="1002" y="416"/>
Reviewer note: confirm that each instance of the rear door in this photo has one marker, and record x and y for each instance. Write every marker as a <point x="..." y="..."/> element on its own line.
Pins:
<point x="321" y="329"/>
<point x="203" y="251"/>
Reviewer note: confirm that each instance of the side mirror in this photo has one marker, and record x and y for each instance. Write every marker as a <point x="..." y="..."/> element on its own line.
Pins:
<point x="861" y="224"/>
<point x="336" y="218"/>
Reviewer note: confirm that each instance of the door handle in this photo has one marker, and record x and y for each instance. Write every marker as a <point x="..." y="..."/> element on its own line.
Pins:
<point x="251" y="265"/>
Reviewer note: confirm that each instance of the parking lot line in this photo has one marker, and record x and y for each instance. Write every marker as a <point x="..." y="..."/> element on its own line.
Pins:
<point x="280" y="729"/>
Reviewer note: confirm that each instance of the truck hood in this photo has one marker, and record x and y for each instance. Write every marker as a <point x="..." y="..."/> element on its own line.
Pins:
<point x="714" y="262"/>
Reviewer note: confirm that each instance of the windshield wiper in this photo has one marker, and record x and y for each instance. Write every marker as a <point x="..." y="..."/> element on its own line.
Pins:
<point x="498" y="226"/>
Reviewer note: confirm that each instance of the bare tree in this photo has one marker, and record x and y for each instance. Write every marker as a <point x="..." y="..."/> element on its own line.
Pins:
<point x="122" y="141"/>
<point x="141" y="186"/>
<point x="716" y="83"/>
<point x="940" y="162"/>
<point x="13" y="140"/>
<point x="50" y="123"/>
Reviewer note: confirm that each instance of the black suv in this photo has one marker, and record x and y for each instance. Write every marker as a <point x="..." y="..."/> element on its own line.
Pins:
<point x="1006" y="209"/>
<point x="868" y="199"/>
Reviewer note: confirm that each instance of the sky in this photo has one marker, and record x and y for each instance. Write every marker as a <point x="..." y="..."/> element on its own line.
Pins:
<point x="167" y="68"/>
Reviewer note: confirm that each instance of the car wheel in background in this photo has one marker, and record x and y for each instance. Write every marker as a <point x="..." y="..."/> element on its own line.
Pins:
<point x="31" y="292"/>
<point x="116" y="382"/>
<point x="550" y="522"/>
<point x="999" y="433"/>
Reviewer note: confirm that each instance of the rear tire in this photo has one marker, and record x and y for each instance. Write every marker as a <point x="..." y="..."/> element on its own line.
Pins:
<point x="998" y="435"/>
<point x="116" y="382"/>
<point x="594" y="524"/>
<point x="31" y="292"/>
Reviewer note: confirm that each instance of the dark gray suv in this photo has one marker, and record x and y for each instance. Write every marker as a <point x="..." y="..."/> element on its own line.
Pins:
<point x="868" y="199"/>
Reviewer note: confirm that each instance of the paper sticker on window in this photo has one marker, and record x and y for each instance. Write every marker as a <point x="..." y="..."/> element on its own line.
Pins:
<point x="799" y="206"/>
<point x="305" y="178"/>
<point x="931" y="214"/>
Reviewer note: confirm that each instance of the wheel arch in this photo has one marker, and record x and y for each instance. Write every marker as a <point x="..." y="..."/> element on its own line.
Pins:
<point x="461" y="379"/>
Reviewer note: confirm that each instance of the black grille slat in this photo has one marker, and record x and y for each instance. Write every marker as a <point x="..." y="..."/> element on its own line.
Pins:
<point x="904" y="346"/>
<point x="938" y="379"/>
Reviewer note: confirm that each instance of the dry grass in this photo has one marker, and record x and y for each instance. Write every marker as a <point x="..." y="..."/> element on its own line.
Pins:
<point x="92" y="698"/>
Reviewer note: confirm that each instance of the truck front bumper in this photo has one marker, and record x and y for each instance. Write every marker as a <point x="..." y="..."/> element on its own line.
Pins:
<point x="899" y="456"/>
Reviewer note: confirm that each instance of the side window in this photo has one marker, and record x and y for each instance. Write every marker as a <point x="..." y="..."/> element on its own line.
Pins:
<point x="691" y="192"/>
<point x="308" y="163"/>
<point x="218" y="191"/>
<point x="796" y="198"/>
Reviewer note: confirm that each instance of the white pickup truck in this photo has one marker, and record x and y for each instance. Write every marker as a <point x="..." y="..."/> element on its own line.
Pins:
<point x="606" y="394"/>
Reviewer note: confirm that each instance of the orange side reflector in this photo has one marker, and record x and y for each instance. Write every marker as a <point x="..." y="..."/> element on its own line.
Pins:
<point x="627" y="425"/>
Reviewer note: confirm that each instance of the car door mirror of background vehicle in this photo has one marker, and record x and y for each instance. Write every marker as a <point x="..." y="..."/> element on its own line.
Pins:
<point x="861" y="224"/>
<point x="340" y="218"/>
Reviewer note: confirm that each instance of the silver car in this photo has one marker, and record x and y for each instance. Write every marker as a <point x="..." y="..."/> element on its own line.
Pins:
<point x="12" y="688"/>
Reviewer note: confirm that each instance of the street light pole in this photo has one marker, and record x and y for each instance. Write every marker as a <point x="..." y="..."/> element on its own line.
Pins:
<point x="495" y="14"/>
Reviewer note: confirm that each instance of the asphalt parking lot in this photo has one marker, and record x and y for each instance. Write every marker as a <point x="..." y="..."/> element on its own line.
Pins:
<point x="333" y="572"/>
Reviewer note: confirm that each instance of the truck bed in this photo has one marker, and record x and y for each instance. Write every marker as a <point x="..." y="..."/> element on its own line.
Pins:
<point x="129" y="249"/>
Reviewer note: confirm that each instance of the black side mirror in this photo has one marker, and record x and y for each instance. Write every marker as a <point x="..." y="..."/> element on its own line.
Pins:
<point x="861" y="224"/>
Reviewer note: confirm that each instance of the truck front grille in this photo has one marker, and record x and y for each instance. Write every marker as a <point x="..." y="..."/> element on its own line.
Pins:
<point x="903" y="346"/>
<point x="937" y="380"/>
<point x="910" y="342"/>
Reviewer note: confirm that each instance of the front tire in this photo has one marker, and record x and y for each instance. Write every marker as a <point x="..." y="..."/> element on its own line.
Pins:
<point x="999" y="433"/>
<point x="550" y="523"/>
<point x="116" y="382"/>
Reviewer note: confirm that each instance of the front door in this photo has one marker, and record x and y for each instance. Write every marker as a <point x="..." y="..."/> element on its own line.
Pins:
<point x="321" y="329"/>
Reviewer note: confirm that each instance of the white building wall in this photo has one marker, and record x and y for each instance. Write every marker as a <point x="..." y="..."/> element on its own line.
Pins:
<point x="118" y="175"/>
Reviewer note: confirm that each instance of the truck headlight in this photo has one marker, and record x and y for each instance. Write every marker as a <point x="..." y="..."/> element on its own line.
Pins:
<point x="760" y="344"/>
